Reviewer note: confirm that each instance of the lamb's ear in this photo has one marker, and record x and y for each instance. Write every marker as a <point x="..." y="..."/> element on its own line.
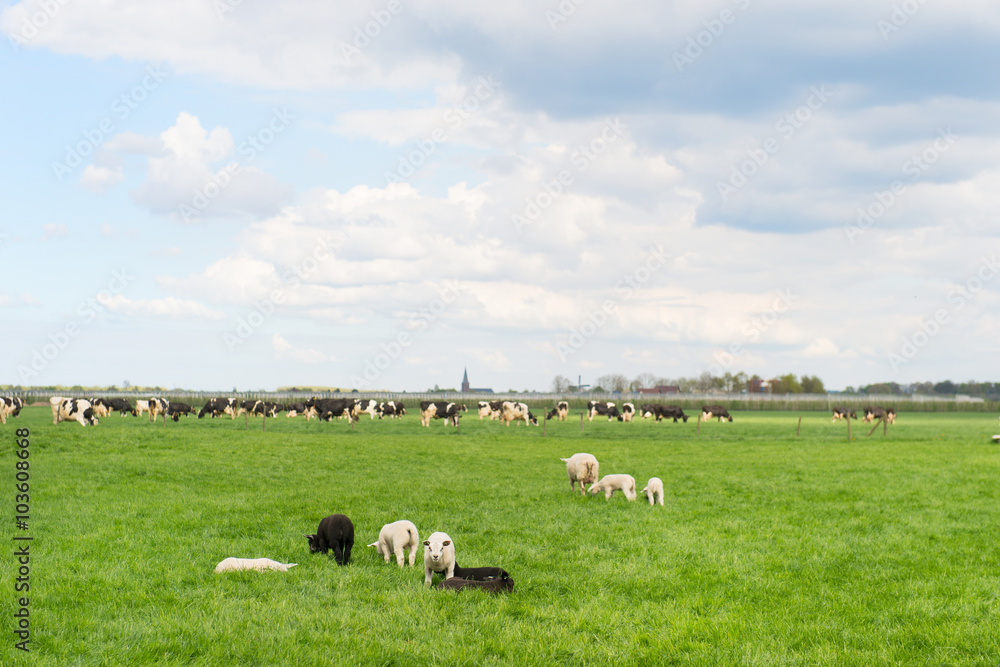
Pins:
<point x="446" y="543"/>
<point x="427" y="543"/>
<point x="373" y="544"/>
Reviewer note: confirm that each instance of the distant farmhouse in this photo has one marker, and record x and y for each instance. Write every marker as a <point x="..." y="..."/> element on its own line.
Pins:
<point x="661" y="389"/>
<point x="466" y="389"/>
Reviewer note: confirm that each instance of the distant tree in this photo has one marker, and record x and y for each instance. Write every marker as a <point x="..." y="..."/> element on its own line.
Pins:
<point x="643" y="381"/>
<point x="613" y="382"/>
<point x="812" y="385"/>
<point x="560" y="384"/>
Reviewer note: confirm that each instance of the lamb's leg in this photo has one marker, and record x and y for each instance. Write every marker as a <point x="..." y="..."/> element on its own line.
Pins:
<point x="399" y="555"/>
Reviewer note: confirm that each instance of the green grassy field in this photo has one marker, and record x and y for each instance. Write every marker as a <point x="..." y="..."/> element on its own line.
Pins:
<point x="772" y="549"/>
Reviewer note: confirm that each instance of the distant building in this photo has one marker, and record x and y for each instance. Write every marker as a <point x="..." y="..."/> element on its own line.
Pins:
<point x="466" y="389"/>
<point x="661" y="389"/>
<point x="759" y="386"/>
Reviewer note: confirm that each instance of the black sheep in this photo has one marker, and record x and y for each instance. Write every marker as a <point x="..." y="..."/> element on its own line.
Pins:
<point x="480" y="573"/>
<point x="335" y="532"/>
<point x="491" y="585"/>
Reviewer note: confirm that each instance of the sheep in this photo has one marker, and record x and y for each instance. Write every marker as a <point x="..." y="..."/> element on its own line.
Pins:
<point x="654" y="490"/>
<point x="439" y="556"/>
<point x="582" y="468"/>
<point x="480" y="573"/>
<point x="335" y="532"/>
<point x="491" y="585"/>
<point x="611" y="483"/>
<point x="395" y="538"/>
<point x="256" y="564"/>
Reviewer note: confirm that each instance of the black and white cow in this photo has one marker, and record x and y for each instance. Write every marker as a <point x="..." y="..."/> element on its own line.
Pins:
<point x="157" y="407"/>
<point x="365" y="406"/>
<point x="513" y="411"/>
<point x="391" y="409"/>
<point x="890" y="415"/>
<point x="709" y="411"/>
<point x="10" y="406"/>
<point x="294" y="409"/>
<point x="871" y="414"/>
<point x="72" y="409"/>
<point x="101" y="407"/>
<point x="672" y="412"/>
<point x="121" y="406"/>
<point x="602" y="408"/>
<point x="220" y="406"/>
<point x="450" y="412"/>
<point x="329" y="409"/>
<point x="628" y="412"/>
<point x="176" y="409"/>
<point x="843" y="413"/>
<point x="560" y="411"/>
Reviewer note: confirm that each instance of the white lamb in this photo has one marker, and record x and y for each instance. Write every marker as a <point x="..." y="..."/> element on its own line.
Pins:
<point x="611" y="483"/>
<point x="654" y="490"/>
<point x="256" y="564"/>
<point x="582" y="468"/>
<point x="396" y="537"/>
<point x="439" y="556"/>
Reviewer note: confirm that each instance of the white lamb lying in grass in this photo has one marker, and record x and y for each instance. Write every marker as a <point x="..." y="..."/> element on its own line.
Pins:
<point x="256" y="564"/>
<point x="396" y="537"/>
<point x="654" y="490"/>
<point x="439" y="556"/>
<point x="611" y="483"/>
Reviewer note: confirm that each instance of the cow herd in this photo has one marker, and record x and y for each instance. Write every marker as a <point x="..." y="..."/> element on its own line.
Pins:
<point x="870" y="414"/>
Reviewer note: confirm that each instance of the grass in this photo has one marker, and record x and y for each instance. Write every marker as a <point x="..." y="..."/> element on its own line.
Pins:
<point x="772" y="549"/>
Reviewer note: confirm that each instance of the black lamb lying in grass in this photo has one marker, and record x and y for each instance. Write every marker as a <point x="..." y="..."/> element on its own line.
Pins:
<point x="335" y="532"/>
<point x="494" y="585"/>
<point x="480" y="573"/>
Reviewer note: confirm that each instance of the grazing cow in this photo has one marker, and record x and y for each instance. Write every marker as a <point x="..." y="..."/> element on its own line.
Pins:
<point x="672" y="411"/>
<point x="871" y="414"/>
<point x="484" y="410"/>
<point x="220" y="406"/>
<point x="365" y="405"/>
<point x="122" y="406"/>
<point x="595" y="408"/>
<point x="294" y="409"/>
<point x="141" y="406"/>
<point x="101" y="407"/>
<point x="560" y="411"/>
<point x="628" y="412"/>
<point x="67" y="409"/>
<point x="450" y="412"/>
<point x="176" y="409"/>
<point x="391" y="409"/>
<point x="843" y="413"/>
<point x="10" y="406"/>
<point x="329" y="409"/>
<point x="157" y="407"/>
<point x="709" y="411"/>
<point x="514" y="411"/>
<point x="335" y="532"/>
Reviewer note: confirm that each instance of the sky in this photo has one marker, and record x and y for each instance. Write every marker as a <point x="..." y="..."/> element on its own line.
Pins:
<point x="220" y="194"/>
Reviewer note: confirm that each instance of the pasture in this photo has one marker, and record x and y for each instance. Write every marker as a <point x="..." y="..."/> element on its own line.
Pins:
<point x="772" y="549"/>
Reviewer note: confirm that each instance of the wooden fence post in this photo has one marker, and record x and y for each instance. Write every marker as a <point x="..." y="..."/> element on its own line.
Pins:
<point x="799" y="427"/>
<point x="581" y="422"/>
<point x="848" y="418"/>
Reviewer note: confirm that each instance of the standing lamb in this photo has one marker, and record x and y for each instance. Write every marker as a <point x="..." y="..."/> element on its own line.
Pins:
<point x="582" y="468"/>
<point x="611" y="483"/>
<point x="439" y="556"/>
<point x="396" y="537"/>
<point x="335" y="532"/>
<point x="654" y="491"/>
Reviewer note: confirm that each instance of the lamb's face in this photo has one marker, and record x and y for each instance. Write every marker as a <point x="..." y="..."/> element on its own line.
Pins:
<point x="313" y="543"/>
<point x="435" y="549"/>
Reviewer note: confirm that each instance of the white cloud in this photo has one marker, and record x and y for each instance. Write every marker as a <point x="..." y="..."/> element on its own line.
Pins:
<point x="168" y="307"/>
<point x="53" y="231"/>
<point x="99" y="179"/>
<point x="284" y="350"/>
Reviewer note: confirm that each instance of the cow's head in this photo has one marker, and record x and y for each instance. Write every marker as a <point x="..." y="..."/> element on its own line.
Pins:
<point x="89" y="417"/>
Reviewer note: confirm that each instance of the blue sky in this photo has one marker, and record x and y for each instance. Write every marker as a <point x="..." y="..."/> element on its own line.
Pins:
<point x="249" y="194"/>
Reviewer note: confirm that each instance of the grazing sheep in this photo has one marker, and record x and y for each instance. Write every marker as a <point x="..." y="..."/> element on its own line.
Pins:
<point x="396" y="537"/>
<point x="439" y="556"/>
<point x="611" y="483"/>
<point x="654" y="491"/>
<point x="582" y="468"/>
<point x="256" y="564"/>
<point x="335" y="532"/>
<point x="491" y="585"/>
<point x="479" y="573"/>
